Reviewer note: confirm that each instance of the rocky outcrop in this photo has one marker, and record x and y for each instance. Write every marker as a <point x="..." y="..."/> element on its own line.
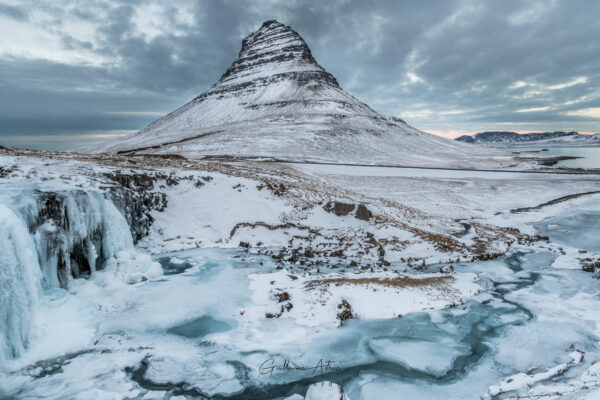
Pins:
<point x="362" y="212"/>
<point x="338" y="208"/>
<point x="134" y="195"/>
<point x="342" y="209"/>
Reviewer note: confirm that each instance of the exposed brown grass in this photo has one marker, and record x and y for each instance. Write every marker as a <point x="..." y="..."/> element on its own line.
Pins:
<point x="397" y="282"/>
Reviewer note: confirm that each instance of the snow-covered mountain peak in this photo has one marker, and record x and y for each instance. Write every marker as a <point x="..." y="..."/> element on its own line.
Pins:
<point x="276" y="101"/>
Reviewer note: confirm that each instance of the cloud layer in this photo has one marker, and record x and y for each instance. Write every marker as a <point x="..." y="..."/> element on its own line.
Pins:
<point x="87" y="70"/>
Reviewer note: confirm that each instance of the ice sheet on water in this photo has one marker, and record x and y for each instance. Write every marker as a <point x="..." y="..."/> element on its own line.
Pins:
<point x="430" y="357"/>
<point x="577" y="227"/>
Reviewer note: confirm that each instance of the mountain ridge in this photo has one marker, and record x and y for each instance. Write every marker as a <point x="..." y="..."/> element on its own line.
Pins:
<point x="514" y="138"/>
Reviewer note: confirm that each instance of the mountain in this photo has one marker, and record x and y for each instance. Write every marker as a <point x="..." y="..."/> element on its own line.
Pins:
<point x="546" y="138"/>
<point x="276" y="101"/>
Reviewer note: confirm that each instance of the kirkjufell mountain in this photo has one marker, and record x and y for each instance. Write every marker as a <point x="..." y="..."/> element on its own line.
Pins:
<point x="275" y="101"/>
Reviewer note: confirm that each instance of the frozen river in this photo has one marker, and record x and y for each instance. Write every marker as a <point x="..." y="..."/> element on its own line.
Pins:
<point x="188" y="332"/>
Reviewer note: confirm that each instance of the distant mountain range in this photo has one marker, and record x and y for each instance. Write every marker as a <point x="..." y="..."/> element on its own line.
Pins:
<point x="516" y="139"/>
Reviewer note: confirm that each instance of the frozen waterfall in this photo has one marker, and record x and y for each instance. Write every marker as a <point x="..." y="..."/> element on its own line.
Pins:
<point x="49" y="238"/>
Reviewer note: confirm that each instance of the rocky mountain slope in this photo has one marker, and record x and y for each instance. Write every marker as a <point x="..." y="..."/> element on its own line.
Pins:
<point x="513" y="138"/>
<point x="276" y="101"/>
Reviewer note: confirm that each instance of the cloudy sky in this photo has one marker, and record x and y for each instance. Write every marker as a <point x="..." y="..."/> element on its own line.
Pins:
<point x="73" y="72"/>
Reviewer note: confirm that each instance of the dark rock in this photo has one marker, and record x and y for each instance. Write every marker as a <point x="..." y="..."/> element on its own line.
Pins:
<point x="5" y="171"/>
<point x="346" y="311"/>
<point x="371" y="239"/>
<point x="362" y="212"/>
<point x="309" y="253"/>
<point x="135" y="197"/>
<point x="256" y="51"/>
<point x="338" y="208"/>
<point x="381" y="252"/>
<point x="283" y="296"/>
<point x="590" y="265"/>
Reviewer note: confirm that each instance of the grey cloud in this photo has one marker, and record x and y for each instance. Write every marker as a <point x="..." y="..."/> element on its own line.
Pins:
<point x="468" y="53"/>
<point x="14" y="12"/>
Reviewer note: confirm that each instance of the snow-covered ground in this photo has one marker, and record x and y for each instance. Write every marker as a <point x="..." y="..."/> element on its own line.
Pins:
<point x="321" y="300"/>
<point x="463" y="194"/>
<point x="386" y="304"/>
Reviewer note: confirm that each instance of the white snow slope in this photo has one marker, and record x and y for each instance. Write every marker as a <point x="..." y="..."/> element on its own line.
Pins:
<point x="276" y="101"/>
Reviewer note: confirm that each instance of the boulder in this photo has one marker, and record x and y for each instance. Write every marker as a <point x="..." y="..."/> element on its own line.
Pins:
<point x="338" y="208"/>
<point x="362" y="212"/>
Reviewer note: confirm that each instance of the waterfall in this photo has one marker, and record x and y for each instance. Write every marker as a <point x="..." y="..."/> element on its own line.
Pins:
<point x="48" y="239"/>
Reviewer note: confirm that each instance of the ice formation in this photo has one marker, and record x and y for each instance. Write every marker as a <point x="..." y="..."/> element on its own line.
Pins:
<point x="50" y="238"/>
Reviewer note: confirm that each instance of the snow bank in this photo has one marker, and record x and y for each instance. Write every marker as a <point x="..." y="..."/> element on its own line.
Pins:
<point x="318" y="300"/>
<point x="523" y="380"/>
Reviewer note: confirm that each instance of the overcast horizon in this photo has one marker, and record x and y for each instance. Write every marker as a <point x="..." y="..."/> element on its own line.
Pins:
<point x="74" y="73"/>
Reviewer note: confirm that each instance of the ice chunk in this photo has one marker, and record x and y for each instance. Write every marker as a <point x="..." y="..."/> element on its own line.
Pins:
<point x="132" y="267"/>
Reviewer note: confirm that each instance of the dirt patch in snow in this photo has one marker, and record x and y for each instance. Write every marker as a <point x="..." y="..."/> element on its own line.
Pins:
<point x="397" y="282"/>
